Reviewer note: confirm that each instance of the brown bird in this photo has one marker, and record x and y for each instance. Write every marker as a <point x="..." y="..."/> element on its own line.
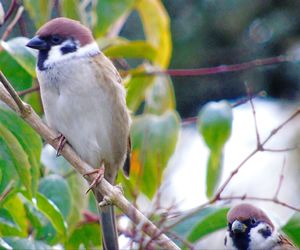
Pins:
<point x="84" y="101"/>
<point x="249" y="228"/>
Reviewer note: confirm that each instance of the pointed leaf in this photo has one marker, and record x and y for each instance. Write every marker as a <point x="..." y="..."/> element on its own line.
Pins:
<point x="160" y="96"/>
<point x="153" y="142"/>
<point x="136" y="89"/>
<point x="16" y="47"/>
<point x="292" y="228"/>
<point x="17" y="210"/>
<point x="39" y="10"/>
<point x="209" y="224"/>
<point x="135" y="49"/>
<point x="156" y="24"/>
<point x="28" y="139"/>
<point x="56" y="189"/>
<point x="50" y="210"/>
<point x="18" y="157"/>
<point x="70" y="9"/>
<point x="15" y="73"/>
<point x="87" y="235"/>
<point x="109" y="12"/>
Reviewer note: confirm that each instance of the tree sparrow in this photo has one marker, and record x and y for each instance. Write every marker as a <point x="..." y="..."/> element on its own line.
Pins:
<point x="84" y="101"/>
<point x="249" y="228"/>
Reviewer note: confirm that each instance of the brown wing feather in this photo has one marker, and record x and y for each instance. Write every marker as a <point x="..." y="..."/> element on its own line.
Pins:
<point x="284" y="244"/>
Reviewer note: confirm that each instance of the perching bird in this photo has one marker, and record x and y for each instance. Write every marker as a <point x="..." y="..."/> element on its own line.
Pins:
<point x="84" y="101"/>
<point x="249" y="228"/>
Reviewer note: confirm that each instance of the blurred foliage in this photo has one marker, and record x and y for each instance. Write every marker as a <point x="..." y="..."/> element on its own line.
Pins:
<point x="42" y="202"/>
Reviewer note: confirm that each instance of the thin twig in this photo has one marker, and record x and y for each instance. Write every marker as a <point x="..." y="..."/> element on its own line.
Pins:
<point x="22" y="108"/>
<point x="217" y="69"/>
<point x="254" y="116"/>
<point x="10" y="10"/>
<point x="28" y="91"/>
<point x="281" y="177"/>
<point x="13" y="23"/>
<point x="244" y="197"/>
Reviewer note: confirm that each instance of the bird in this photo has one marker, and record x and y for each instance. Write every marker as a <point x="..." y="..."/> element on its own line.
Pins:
<point x="249" y="228"/>
<point x="84" y="101"/>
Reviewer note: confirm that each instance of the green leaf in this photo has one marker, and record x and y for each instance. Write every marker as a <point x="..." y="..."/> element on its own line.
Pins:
<point x="136" y="88"/>
<point x="25" y="56"/>
<point x="87" y="235"/>
<point x="50" y="210"/>
<point x="70" y="9"/>
<point x="39" y="10"/>
<point x="153" y="142"/>
<point x="28" y="139"/>
<point x="160" y="96"/>
<point x="8" y="170"/>
<point x="18" y="157"/>
<point x="109" y="12"/>
<point x="19" y="243"/>
<point x="209" y="224"/>
<point x="185" y="226"/>
<point x="15" y="207"/>
<point x="214" y="123"/>
<point x="15" y="73"/>
<point x="156" y="25"/>
<point x="292" y="228"/>
<point x="57" y="190"/>
<point x="7" y="225"/>
<point x="214" y="171"/>
<point x="79" y="198"/>
<point x="135" y="49"/>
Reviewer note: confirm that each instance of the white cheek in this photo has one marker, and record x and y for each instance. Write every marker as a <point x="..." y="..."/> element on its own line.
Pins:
<point x="260" y="242"/>
<point x="55" y="54"/>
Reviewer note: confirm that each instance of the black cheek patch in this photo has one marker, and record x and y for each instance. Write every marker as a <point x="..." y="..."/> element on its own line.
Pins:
<point x="42" y="57"/>
<point x="265" y="232"/>
<point x="68" y="48"/>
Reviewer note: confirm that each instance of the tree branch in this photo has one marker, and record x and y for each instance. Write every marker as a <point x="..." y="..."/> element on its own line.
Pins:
<point x="10" y="97"/>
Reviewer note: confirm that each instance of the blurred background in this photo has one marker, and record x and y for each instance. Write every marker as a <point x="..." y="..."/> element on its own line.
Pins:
<point x="210" y="33"/>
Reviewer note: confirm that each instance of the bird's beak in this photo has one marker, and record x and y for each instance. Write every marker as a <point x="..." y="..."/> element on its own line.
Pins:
<point x="37" y="43"/>
<point x="238" y="227"/>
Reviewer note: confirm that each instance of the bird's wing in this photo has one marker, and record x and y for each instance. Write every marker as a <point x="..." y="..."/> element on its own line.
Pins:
<point x="284" y="243"/>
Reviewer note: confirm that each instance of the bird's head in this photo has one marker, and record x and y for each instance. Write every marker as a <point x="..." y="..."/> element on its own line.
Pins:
<point x="61" y="39"/>
<point x="249" y="228"/>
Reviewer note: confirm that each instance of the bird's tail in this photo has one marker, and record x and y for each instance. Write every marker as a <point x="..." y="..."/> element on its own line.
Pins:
<point x="108" y="226"/>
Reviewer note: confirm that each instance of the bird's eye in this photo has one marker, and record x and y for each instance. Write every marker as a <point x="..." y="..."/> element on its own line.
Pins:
<point x="253" y="221"/>
<point x="56" y="40"/>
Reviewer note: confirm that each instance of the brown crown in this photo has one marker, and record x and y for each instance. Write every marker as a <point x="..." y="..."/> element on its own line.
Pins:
<point x="246" y="211"/>
<point x="66" y="27"/>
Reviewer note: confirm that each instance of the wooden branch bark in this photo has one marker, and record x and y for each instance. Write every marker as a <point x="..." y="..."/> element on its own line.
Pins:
<point x="106" y="189"/>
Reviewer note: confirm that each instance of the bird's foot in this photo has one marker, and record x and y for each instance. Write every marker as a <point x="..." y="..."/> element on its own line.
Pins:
<point x="105" y="202"/>
<point x="100" y="175"/>
<point x="61" y="143"/>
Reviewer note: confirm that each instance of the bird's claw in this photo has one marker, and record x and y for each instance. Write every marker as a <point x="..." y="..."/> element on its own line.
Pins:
<point x="100" y="175"/>
<point x="61" y="143"/>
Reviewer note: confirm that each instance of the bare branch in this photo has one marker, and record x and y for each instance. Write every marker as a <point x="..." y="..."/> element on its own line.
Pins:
<point x="28" y="91"/>
<point x="13" y="23"/>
